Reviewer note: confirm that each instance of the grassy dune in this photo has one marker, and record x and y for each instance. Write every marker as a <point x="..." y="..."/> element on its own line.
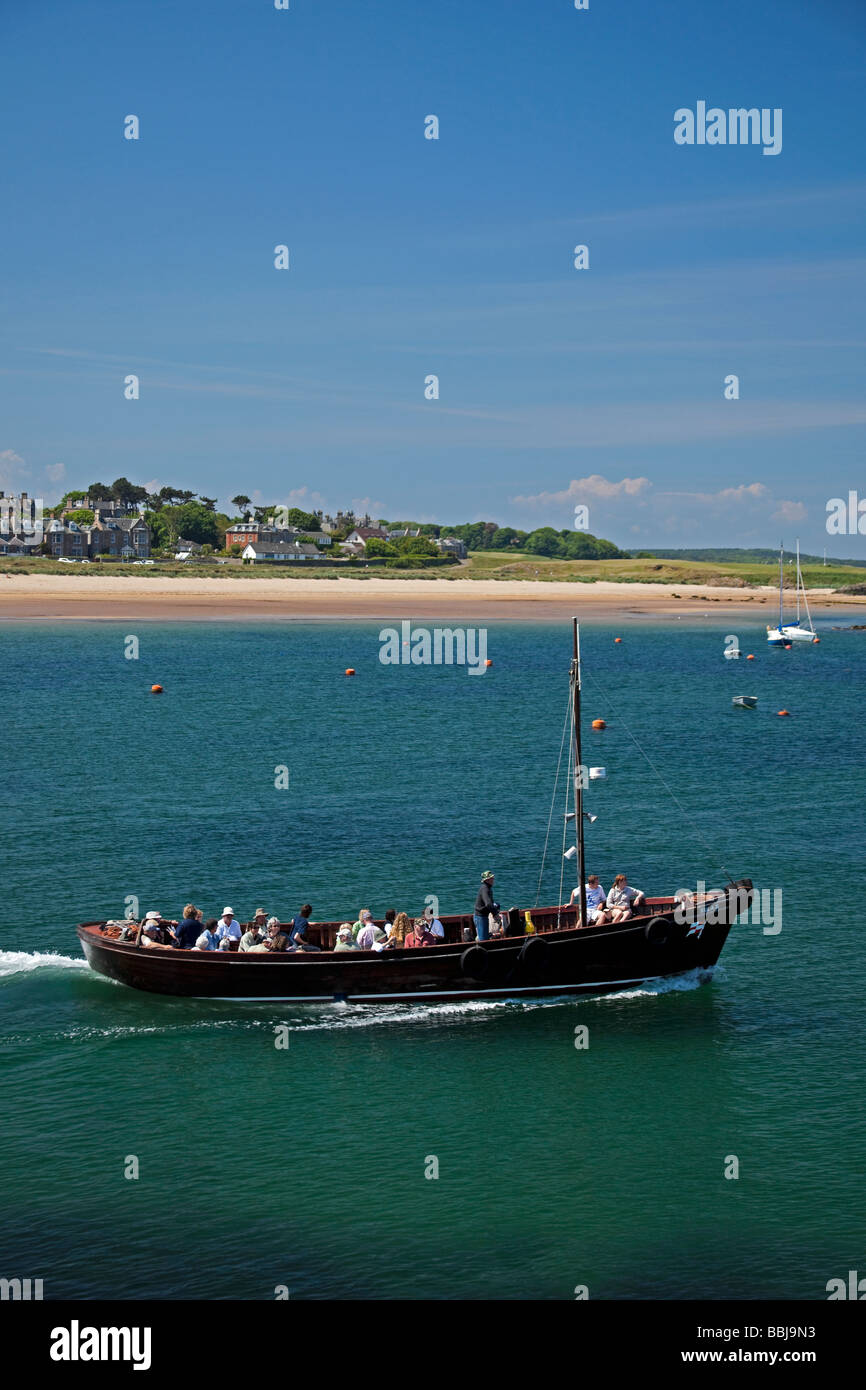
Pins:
<point x="492" y="564"/>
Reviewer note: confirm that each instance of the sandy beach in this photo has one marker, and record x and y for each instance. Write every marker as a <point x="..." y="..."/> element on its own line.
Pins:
<point x="34" y="597"/>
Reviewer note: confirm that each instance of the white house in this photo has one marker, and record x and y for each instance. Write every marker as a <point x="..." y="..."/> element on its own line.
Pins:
<point x="280" y="551"/>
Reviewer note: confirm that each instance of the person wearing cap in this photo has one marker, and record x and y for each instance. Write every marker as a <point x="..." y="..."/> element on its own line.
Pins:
<point x="484" y="905"/>
<point x="344" y="940"/>
<point x="228" y="927"/>
<point x="189" y="930"/>
<point x="420" y="935"/>
<point x="155" y="929"/>
<point x="260" y="920"/>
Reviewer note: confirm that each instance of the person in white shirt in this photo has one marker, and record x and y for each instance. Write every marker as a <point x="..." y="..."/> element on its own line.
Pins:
<point x="434" y="924"/>
<point x="595" y="901"/>
<point x="228" y="927"/>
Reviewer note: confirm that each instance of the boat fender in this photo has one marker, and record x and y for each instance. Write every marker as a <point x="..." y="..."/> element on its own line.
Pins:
<point x="657" y="931"/>
<point x="534" y="952"/>
<point x="474" y="963"/>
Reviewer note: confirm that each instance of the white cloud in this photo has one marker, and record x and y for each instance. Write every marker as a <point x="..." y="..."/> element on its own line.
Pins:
<point x="745" y="492"/>
<point x="55" y="471"/>
<point x="584" y="489"/>
<point x="789" y="511"/>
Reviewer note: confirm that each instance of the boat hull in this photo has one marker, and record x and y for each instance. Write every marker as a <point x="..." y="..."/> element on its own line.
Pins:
<point x="569" y="961"/>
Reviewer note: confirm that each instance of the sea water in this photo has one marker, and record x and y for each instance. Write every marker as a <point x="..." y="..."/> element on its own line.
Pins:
<point x="437" y="1151"/>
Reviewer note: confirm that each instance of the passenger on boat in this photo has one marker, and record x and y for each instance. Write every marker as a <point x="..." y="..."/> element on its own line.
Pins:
<point x="369" y="935"/>
<point x="365" y="917"/>
<point x="253" y="936"/>
<point x="157" y="931"/>
<point x="228" y="927"/>
<point x="189" y="930"/>
<point x="208" y="940"/>
<point x="396" y="933"/>
<point x="420" y="935"/>
<point x="298" y="930"/>
<point x="623" y="901"/>
<point x="596" y="900"/>
<point x="434" y="924"/>
<point x="275" y="940"/>
<point x="344" y="940"/>
<point x="260" y="920"/>
<point x="484" y="905"/>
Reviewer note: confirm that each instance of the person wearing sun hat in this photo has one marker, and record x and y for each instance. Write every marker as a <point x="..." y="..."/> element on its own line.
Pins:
<point x="484" y="905"/>
<point x="228" y="927"/>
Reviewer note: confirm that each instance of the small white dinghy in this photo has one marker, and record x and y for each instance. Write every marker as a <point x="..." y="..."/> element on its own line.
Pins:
<point x="745" y="701"/>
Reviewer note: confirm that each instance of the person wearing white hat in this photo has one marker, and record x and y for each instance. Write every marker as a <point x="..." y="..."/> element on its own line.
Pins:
<point x="228" y="927"/>
<point x="157" y="930"/>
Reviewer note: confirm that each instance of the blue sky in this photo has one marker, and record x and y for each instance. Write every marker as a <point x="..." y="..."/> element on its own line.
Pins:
<point x="453" y="257"/>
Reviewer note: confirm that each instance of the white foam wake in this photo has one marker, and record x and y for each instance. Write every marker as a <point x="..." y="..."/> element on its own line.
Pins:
<point x="22" y="962"/>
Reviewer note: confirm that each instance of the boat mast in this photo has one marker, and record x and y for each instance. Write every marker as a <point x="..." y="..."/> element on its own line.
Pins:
<point x="798" y="581"/>
<point x="781" y="579"/>
<point x="578" y="771"/>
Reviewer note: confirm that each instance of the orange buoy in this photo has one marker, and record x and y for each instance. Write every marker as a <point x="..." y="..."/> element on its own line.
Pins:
<point x="815" y="639"/>
<point x="488" y="662"/>
<point x="599" y="724"/>
<point x="785" y="713"/>
<point x="750" y="657"/>
<point x="156" y="690"/>
<point x="350" y="670"/>
<point x="617" y="639"/>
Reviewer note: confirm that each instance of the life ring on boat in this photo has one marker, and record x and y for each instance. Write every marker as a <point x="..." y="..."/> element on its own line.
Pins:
<point x="475" y="963"/>
<point x="658" y="931"/>
<point x="533" y="955"/>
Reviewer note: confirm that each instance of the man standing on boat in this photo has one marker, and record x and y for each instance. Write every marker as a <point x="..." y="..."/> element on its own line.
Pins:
<point x="484" y="905"/>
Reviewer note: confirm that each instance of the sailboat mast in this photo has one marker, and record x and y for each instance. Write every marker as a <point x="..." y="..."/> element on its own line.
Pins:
<point x="781" y="580"/>
<point x="578" y="772"/>
<point x="798" y="581"/>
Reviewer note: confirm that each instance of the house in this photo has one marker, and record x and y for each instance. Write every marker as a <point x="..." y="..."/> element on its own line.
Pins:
<point x="404" y="532"/>
<point x="280" y="552"/>
<point x="123" y="537"/>
<point x="243" y="532"/>
<point x="451" y="545"/>
<point x="362" y="534"/>
<point x="66" y="539"/>
<point x="186" y="550"/>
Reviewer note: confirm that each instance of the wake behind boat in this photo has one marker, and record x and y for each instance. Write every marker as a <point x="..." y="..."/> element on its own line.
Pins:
<point x="553" y="950"/>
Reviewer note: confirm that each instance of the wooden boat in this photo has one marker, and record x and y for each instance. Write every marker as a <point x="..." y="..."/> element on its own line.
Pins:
<point x="670" y="936"/>
<point x="745" y="701"/>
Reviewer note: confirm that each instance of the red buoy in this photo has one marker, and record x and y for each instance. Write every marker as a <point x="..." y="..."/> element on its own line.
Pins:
<point x="350" y="670"/>
<point x="784" y="714"/>
<point x="599" y="724"/>
<point x="156" y="690"/>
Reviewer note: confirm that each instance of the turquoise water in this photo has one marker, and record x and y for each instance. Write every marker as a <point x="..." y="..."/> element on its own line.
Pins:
<point x="305" y="1167"/>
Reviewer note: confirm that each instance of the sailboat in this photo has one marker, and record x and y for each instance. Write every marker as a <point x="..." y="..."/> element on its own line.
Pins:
<point x="554" y="954"/>
<point x="786" y="633"/>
